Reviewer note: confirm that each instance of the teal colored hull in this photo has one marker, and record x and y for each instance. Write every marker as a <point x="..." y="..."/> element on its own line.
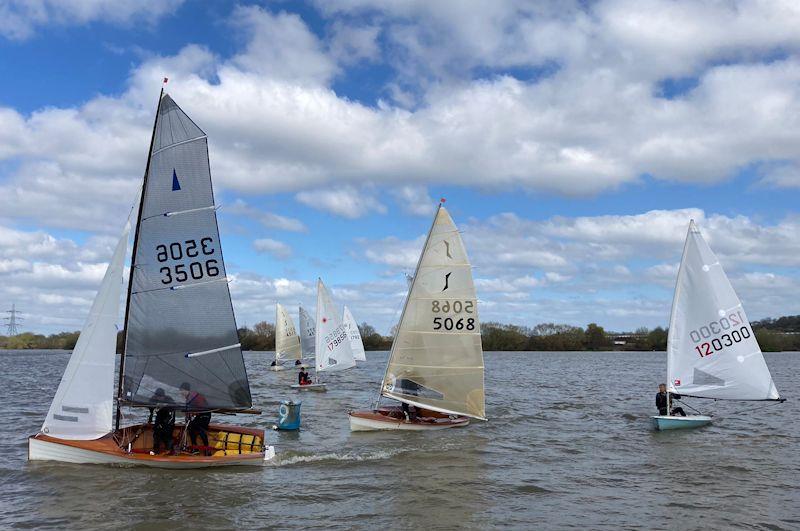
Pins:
<point x="663" y="422"/>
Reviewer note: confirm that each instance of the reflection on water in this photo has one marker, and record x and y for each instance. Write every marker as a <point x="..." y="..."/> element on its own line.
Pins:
<point x="568" y="444"/>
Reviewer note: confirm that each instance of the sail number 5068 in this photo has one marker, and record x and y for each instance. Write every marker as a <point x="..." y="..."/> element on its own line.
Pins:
<point x="452" y="306"/>
<point x="449" y="323"/>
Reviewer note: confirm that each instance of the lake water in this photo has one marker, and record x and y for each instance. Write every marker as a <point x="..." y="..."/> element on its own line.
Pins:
<point x="568" y="444"/>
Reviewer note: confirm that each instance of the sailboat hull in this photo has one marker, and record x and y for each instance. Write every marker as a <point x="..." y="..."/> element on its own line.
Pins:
<point x="670" y="422"/>
<point x="392" y="418"/>
<point x="318" y="387"/>
<point x="106" y="451"/>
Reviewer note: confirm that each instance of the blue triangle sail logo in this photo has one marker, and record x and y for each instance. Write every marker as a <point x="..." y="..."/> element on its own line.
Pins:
<point x="176" y="185"/>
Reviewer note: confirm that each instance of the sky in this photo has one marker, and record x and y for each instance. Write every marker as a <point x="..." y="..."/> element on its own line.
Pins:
<point x="573" y="142"/>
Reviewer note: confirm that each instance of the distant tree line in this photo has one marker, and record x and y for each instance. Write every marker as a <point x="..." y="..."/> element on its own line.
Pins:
<point x="782" y="334"/>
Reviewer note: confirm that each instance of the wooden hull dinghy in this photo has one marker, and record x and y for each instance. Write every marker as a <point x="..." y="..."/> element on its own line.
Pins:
<point x="318" y="387"/>
<point x="130" y="446"/>
<point x="674" y="422"/>
<point x="393" y="418"/>
<point x="180" y="347"/>
<point x="436" y="361"/>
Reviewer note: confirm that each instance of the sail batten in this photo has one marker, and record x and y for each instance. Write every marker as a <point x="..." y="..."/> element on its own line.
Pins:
<point x="166" y="321"/>
<point x="436" y="360"/>
<point x="712" y="350"/>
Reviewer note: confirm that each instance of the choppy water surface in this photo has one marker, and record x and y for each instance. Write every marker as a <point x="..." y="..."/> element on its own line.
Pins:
<point x="568" y="444"/>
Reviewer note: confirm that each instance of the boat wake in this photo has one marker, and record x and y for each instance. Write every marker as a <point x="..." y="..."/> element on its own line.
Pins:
<point x="287" y="460"/>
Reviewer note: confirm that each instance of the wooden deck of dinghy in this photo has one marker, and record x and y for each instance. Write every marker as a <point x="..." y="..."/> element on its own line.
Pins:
<point x="424" y="418"/>
<point x="228" y="445"/>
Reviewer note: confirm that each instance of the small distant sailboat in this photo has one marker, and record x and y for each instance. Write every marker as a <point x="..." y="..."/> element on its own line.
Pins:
<point x="287" y="342"/>
<point x="332" y="347"/>
<point x="353" y="333"/>
<point x="436" y="361"/>
<point x="712" y="351"/>
<point x="308" y="334"/>
<point x="181" y="340"/>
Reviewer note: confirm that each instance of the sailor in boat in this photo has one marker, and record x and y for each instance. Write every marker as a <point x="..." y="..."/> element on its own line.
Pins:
<point x="663" y="400"/>
<point x="298" y="362"/>
<point x="303" y="378"/>
<point x="164" y="423"/>
<point x="198" y="424"/>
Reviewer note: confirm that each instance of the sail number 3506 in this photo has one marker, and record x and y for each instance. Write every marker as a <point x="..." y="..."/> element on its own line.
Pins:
<point x="189" y="249"/>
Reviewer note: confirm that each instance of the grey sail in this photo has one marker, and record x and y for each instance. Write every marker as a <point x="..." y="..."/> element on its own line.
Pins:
<point x="180" y="324"/>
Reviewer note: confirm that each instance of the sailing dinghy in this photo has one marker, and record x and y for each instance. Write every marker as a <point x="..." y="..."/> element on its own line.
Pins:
<point x="353" y="333"/>
<point x="287" y="342"/>
<point x="181" y="348"/>
<point x="712" y="351"/>
<point x="332" y="347"/>
<point x="436" y="361"/>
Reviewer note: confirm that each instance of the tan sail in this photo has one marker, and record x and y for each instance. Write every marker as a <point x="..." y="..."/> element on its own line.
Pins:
<point x="436" y="360"/>
<point x="287" y="342"/>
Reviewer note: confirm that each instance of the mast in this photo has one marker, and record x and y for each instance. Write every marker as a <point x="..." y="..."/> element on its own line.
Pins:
<point x="405" y="305"/>
<point x="133" y="258"/>
<point x="672" y="315"/>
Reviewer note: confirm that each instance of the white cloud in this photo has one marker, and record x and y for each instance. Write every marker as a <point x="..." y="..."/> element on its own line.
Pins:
<point x="267" y="219"/>
<point x="415" y="200"/>
<point x="20" y="18"/>
<point x="275" y="248"/>
<point x="346" y="201"/>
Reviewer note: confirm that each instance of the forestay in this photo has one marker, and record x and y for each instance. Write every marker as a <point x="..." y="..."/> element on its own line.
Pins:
<point x="308" y="334"/>
<point x="83" y="405"/>
<point x="712" y="351"/>
<point x="436" y="359"/>
<point x="333" y="350"/>
<point x="287" y="342"/>
<point x="181" y="327"/>
<point x="356" y="344"/>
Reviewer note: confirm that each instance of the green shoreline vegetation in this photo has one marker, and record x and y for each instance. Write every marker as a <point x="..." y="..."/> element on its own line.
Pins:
<point x="774" y="335"/>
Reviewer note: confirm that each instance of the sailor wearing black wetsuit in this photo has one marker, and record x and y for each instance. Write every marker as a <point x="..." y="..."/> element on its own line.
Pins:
<point x="662" y="399"/>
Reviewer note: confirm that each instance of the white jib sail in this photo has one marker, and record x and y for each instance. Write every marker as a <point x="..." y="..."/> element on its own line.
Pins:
<point x="712" y="351"/>
<point x="332" y="344"/>
<point x="308" y="334"/>
<point x="287" y="342"/>
<point x="83" y="405"/>
<point x="436" y="359"/>
<point x="356" y="345"/>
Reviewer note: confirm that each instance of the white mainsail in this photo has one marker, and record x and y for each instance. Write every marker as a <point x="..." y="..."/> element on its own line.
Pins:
<point x="287" y="342"/>
<point x="354" y="335"/>
<point x="712" y="351"/>
<point x="436" y="359"/>
<point x="333" y="350"/>
<point x="83" y="405"/>
<point x="308" y="334"/>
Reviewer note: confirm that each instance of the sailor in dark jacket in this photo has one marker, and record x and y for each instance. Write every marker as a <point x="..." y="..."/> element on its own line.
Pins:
<point x="662" y="399"/>
<point x="164" y="422"/>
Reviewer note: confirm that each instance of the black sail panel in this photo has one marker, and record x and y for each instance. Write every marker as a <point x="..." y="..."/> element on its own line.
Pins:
<point x="181" y="328"/>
